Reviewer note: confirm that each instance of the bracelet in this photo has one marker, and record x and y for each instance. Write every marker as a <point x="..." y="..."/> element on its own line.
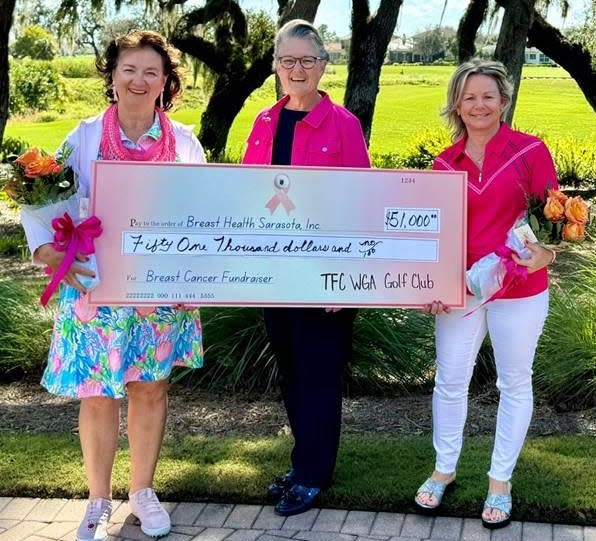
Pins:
<point x="554" y="255"/>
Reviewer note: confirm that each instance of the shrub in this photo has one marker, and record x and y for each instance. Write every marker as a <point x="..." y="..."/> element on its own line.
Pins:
<point x="385" y="161"/>
<point x="12" y="237"/>
<point x="224" y="157"/>
<point x="24" y="330"/>
<point x="36" y="43"/>
<point x="13" y="244"/>
<point x="12" y="146"/>
<point x="237" y="354"/>
<point x="419" y="154"/>
<point x="565" y="365"/>
<point x="35" y="85"/>
<point x="393" y="350"/>
<point x="424" y="148"/>
<point x="575" y="163"/>
<point x="76" y="67"/>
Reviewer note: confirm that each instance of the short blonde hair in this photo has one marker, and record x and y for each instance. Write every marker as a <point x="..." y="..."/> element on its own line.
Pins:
<point x="458" y="80"/>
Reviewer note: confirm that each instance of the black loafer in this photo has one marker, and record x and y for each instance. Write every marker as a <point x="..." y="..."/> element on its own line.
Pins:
<point x="297" y="500"/>
<point x="280" y="486"/>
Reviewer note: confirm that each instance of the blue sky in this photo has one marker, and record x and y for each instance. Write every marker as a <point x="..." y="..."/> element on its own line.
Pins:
<point x="415" y="15"/>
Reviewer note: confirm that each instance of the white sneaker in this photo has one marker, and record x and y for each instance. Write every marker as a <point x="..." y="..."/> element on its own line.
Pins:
<point x="94" y="527"/>
<point x="144" y="505"/>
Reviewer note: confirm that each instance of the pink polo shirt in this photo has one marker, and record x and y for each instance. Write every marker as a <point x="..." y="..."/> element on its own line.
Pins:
<point x="515" y="165"/>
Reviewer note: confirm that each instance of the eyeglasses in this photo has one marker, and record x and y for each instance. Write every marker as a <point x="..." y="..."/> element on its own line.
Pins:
<point x="307" y="62"/>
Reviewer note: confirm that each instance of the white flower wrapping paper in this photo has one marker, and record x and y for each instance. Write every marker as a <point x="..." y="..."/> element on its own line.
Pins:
<point x="78" y="209"/>
<point x="486" y="276"/>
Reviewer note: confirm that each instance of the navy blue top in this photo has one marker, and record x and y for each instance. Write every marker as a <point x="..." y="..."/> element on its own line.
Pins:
<point x="284" y="137"/>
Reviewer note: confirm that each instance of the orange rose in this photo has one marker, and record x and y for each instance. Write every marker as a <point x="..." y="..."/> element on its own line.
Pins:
<point x="28" y="157"/>
<point x="576" y="210"/>
<point x="46" y="165"/>
<point x="554" y="210"/>
<point x="573" y="231"/>
<point x="558" y="195"/>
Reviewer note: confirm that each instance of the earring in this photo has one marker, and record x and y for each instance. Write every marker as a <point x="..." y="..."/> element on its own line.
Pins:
<point x="114" y="93"/>
<point x="161" y="99"/>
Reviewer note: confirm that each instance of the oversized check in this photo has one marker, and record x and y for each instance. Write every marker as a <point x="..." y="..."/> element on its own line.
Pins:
<point x="278" y="236"/>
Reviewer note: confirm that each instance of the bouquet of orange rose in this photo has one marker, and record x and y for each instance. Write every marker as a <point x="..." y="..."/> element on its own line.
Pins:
<point x="561" y="218"/>
<point x="37" y="178"/>
<point x="45" y="189"/>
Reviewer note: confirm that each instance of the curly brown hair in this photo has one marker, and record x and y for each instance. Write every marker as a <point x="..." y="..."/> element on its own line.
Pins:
<point x="138" y="39"/>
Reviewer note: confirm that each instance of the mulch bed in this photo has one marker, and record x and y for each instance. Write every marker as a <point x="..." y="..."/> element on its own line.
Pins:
<point x="26" y="407"/>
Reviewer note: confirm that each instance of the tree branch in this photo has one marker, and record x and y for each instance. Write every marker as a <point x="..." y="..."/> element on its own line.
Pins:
<point x="467" y="29"/>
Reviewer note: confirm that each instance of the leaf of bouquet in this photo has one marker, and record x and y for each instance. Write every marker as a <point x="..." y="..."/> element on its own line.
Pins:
<point x="534" y="224"/>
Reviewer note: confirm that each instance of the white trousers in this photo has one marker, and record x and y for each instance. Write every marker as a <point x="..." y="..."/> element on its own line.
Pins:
<point x="514" y="326"/>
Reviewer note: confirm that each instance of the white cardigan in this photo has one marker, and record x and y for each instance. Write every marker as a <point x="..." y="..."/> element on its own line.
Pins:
<point x="84" y="140"/>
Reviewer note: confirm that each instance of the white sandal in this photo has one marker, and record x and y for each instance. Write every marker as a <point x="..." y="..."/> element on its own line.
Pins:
<point x="501" y="502"/>
<point x="434" y="488"/>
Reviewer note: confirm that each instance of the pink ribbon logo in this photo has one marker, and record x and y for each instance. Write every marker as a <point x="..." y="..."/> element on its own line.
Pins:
<point x="72" y="240"/>
<point x="282" y="186"/>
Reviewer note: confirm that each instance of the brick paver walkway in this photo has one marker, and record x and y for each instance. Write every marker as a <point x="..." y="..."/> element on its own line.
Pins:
<point x="53" y="520"/>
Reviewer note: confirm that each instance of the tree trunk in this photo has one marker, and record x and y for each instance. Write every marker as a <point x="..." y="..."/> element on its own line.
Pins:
<point x="572" y="57"/>
<point x="368" y="45"/>
<point x="513" y="37"/>
<point x="6" y="11"/>
<point x="234" y="82"/>
<point x="297" y="9"/>
<point x="468" y="29"/>
<point x="226" y="101"/>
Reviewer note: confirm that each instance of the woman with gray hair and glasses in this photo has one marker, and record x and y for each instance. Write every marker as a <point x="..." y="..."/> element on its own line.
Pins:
<point x="311" y="345"/>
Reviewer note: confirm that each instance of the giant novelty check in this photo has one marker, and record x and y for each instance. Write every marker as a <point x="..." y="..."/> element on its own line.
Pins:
<point x="278" y="236"/>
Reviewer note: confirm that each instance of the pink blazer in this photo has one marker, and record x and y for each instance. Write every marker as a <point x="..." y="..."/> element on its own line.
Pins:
<point x="329" y="135"/>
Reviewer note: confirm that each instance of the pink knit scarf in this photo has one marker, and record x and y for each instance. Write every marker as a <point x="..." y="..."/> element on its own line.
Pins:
<point x="111" y="147"/>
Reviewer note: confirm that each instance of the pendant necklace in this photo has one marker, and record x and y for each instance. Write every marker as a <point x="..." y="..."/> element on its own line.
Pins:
<point x="477" y="162"/>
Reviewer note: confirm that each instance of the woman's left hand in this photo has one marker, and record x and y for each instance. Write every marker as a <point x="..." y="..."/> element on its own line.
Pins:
<point x="541" y="257"/>
<point x="435" y="308"/>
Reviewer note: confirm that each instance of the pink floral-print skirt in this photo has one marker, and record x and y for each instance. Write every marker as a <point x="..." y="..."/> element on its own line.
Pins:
<point x="96" y="351"/>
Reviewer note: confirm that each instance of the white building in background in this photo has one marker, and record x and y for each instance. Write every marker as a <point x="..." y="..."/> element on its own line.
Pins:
<point x="403" y="49"/>
<point x="535" y="56"/>
<point x="337" y="54"/>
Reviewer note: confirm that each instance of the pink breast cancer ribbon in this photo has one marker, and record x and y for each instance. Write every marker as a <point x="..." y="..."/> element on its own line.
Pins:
<point x="282" y="198"/>
<point x="72" y="240"/>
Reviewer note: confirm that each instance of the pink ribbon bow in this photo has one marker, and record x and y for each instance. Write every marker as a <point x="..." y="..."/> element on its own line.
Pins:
<point x="513" y="273"/>
<point x="72" y="240"/>
<point x="280" y="197"/>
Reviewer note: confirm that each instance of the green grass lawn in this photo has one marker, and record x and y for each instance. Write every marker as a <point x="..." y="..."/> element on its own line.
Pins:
<point x="550" y="104"/>
<point x="551" y="484"/>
